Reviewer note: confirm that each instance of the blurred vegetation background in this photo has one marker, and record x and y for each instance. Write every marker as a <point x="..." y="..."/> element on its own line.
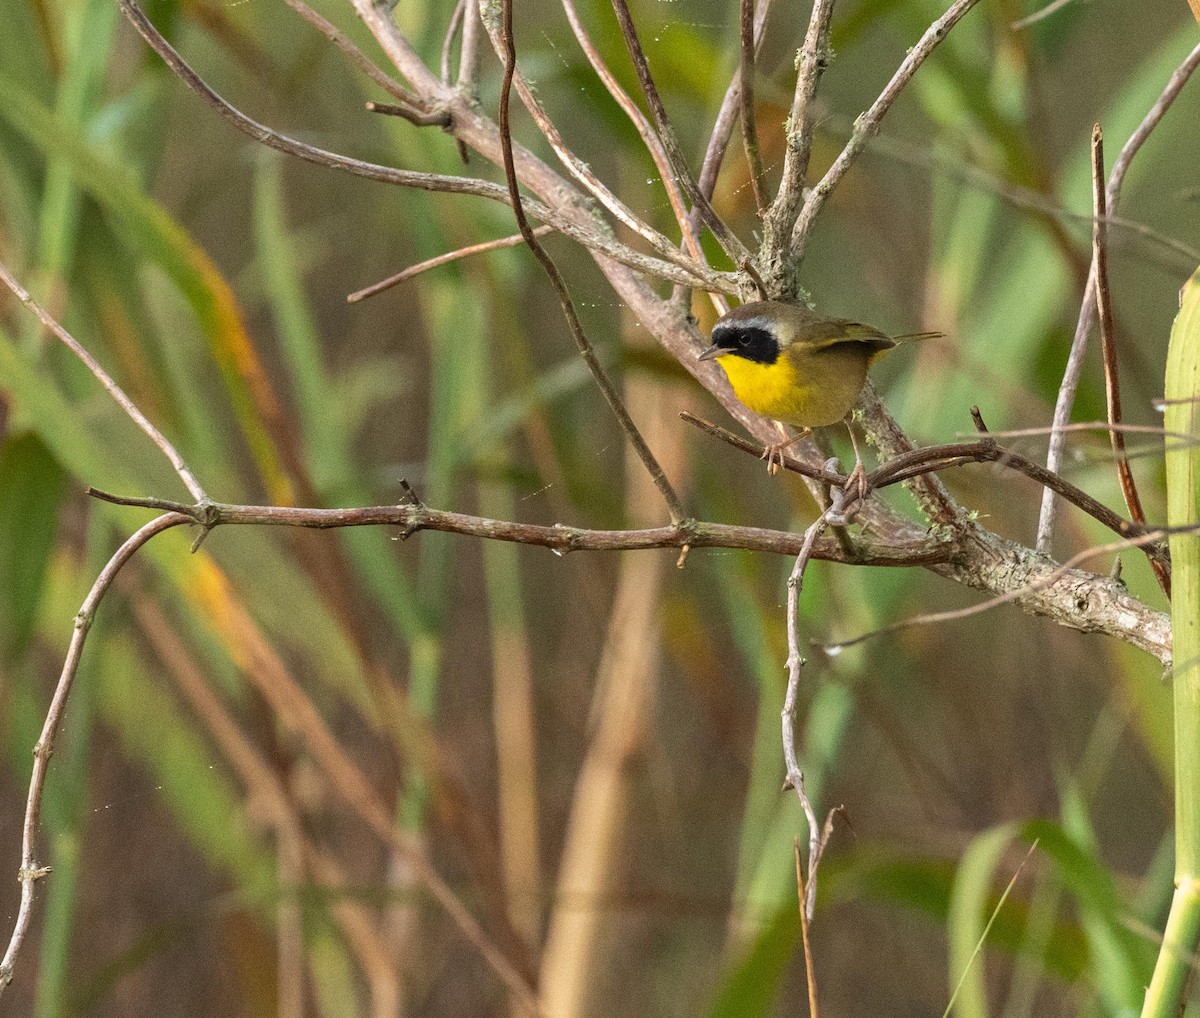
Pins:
<point x="586" y="747"/>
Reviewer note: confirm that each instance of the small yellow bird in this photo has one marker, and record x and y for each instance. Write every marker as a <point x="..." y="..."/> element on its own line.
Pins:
<point x="796" y="367"/>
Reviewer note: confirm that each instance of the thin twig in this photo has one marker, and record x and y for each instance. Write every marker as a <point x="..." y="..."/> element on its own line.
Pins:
<point x="357" y="56"/>
<point x="443" y="259"/>
<point x="1036" y="16"/>
<point x="794" y="777"/>
<point x="695" y="275"/>
<point x="114" y="390"/>
<point x="718" y="139"/>
<point x="1087" y="311"/>
<point x="581" y="171"/>
<point x="1077" y="426"/>
<point x="814" y="58"/>
<point x="452" y="30"/>
<point x="1112" y="387"/>
<point x="809" y="969"/>
<point x="643" y="127"/>
<point x="31" y="870"/>
<point x="611" y="396"/>
<point x="470" y="52"/>
<point x="749" y="126"/>
<point x="437" y="118"/>
<point x="658" y="113"/>
<point x="868" y="123"/>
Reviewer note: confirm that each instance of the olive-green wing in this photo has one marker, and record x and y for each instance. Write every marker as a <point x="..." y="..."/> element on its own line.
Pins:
<point x="822" y="335"/>
<point x="835" y="331"/>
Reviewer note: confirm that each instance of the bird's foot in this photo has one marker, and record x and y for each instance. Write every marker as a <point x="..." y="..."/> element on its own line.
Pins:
<point x="773" y="453"/>
<point x="856" y="484"/>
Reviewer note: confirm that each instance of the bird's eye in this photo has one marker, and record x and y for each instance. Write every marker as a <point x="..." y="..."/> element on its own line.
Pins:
<point x="753" y="342"/>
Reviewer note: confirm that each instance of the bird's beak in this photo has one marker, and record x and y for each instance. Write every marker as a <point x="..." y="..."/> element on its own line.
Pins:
<point x="714" y="351"/>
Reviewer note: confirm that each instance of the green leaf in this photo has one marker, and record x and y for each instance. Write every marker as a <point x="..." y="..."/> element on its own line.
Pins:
<point x="750" y="988"/>
<point x="970" y="905"/>
<point x="32" y="484"/>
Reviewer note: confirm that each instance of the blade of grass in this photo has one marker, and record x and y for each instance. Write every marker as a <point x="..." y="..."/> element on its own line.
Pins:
<point x="88" y="27"/>
<point x="1173" y="971"/>
<point x="159" y="239"/>
<point x="985" y="852"/>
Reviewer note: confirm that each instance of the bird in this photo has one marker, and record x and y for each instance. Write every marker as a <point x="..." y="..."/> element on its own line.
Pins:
<point x="797" y="367"/>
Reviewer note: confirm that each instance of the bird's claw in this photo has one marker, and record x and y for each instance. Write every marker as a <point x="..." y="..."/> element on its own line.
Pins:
<point x="858" y="479"/>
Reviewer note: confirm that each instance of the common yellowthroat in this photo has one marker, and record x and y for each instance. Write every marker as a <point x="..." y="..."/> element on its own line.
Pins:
<point x="797" y="367"/>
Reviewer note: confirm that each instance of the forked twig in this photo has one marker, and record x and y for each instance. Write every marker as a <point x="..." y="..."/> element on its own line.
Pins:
<point x="722" y="130"/>
<point x="928" y="459"/>
<point x="582" y="172"/>
<point x="452" y="30"/>
<point x="805" y="939"/>
<point x="868" y="123"/>
<point x="644" y="129"/>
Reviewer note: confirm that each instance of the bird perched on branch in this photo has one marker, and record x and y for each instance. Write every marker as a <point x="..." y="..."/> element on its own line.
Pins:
<point x="797" y="367"/>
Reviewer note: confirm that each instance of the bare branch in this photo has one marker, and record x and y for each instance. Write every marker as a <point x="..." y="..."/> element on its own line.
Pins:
<point x="814" y="57"/>
<point x="643" y="127"/>
<point x="581" y="171"/>
<point x="31" y="870"/>
<point x="440" y="260"/>
<point x="1087" y="312"/>
<point x="919" y="462"/>
<point x="114" y="390"/>
<point x="749" y="126"/>
<point x="1036" y="16"/>
<point x="718" y="139"/>
<point x="560" y="539"/>
<point x="471" y="51"/>
<point x="1015" y="595"/>
<point x="698" y="275"/>
<point x="731" y="245"/>
<point x="452" y="30"/>
<point x="609" y="391"/>
<point x="1112" y="388"/>
<point x="794" y="777"/>
<point x="868" y="123"/>
<point x="357" y="56"/>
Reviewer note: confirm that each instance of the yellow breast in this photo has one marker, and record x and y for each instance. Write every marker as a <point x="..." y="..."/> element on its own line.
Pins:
<point x="803" y="388"/>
